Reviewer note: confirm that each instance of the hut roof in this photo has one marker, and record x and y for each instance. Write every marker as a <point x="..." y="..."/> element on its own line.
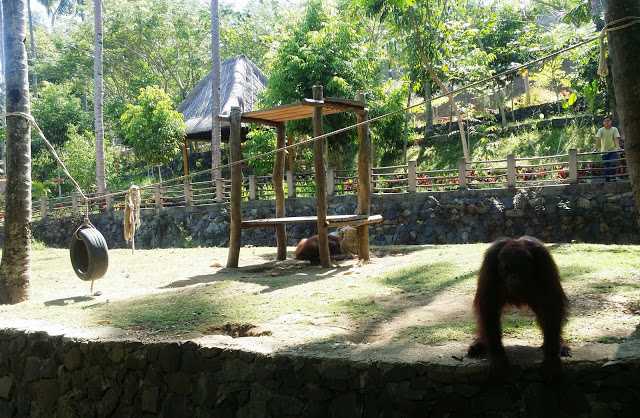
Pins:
<point x="241" y="81"/>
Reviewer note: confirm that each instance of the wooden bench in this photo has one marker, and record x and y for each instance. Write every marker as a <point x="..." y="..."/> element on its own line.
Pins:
<point x="333" y="221"/>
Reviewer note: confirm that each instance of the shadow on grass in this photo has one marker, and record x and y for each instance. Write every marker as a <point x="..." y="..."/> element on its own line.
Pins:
<point x="390" y="250"/>
<point x="67" y="301"/>
<point x="273" y="277"/>
<point x="175" y="313"/>
<point x="419" y="285"/>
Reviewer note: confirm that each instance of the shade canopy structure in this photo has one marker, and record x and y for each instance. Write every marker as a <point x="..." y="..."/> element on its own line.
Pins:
<point x="241" y="82"/>
<point x="314" y="108"/>
<point x="301" y="110"/>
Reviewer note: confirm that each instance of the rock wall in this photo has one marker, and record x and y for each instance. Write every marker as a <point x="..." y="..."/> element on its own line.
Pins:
<point x="54" y="377"/>
<point x="597" y="213"/>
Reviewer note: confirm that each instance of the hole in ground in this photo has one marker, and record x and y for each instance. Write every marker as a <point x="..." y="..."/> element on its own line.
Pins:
<point x="236" y="330"/>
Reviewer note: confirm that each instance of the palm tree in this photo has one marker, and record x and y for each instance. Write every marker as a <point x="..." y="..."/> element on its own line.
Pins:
<point x="215" y="90"/>
<point x="2" y="86"/>
<point x="15" y="267"/>
<point x="98" y="97"/>
<point x="32" y="44"/>
<point x="56" y="8"/>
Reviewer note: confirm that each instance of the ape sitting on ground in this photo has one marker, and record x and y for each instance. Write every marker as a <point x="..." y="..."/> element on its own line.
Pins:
<point x="341" y="246"/>
<point x="519" y="272"/>
<point x="307" y="248"/>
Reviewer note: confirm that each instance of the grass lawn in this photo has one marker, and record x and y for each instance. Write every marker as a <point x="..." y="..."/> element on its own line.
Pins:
<point x="408" y="300"/>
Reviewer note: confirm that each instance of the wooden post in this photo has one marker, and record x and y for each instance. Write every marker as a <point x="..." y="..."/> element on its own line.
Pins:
<point x="185" y="158"/>
<point x="364" y="179"/>
<point x="157" y="195"/>
<point x="291" y="184"/>
<point x="219" y="185"/>
<point x="291" y="155"/>
<point x="331" y="181"/>
<point x="321" y="181"/>
<point x="236" y="188"/>
<point x="278" y="188"/>
<point x="75" y="204"/>
<point x="573" y="166"/>
<point x="462" y="173"/>
<point x="188" y="196"/>
<point x="253" y="188"/>
<point x="511" y="170"/>
<point x="411" y="176"/>
<point x="108" y="201"/>
<point x="44" y="206"/>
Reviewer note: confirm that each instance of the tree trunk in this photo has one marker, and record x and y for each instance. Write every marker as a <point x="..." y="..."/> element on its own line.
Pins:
<point x="428" y="110"/>
<point x="450" y="112"/>
<point x="34" y="55"/>
<point x="2" y="63"/>
<point x="624" y="53"/>
<point x="503" y="113"/>
<point x="98" y="97"/>
<point x="15" y="268"/>
<point x="407" y="115"/>
<point x="215" y="90"/>
<point x="527" y="87"/>
<point x="452" y="102"/>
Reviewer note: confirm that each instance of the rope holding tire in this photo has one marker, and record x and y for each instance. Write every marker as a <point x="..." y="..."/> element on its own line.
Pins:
<point x="89" y="253"/>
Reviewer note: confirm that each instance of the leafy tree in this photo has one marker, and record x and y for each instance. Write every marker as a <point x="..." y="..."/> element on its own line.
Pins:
<point x="260" y="140"/>
<point x="152" y="127"/>
<point x="79" y="156"/>
<point x="325" y="49"/>
<point x="56" y="108"/>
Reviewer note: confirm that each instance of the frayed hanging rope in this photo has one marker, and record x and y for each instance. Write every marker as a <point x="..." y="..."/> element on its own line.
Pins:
<point x="625" y="22"/>
<point x="132" y="215"/>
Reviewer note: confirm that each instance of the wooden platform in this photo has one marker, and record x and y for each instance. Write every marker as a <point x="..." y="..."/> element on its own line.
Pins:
<point x="332" y="221"/>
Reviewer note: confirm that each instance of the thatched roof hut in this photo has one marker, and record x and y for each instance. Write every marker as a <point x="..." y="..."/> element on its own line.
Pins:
<point x="241" y="81"/>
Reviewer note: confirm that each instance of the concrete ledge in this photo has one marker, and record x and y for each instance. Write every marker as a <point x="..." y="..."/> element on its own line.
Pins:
<point x="45" y="376"/>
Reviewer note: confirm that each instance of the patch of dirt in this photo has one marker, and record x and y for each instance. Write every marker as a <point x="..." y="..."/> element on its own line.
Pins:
<point x="239" y="330"/>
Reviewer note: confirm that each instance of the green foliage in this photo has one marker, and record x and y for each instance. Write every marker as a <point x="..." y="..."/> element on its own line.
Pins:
<point x="387" y="133"/>
<point x="79" y="155"/>
<point x="55" y="108"/>
<point x="324" y="48"/>
<point x="260" y="140"/>
<point x="152" y="127"/>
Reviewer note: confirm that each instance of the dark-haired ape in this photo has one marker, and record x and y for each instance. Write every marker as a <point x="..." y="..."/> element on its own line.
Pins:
<point x="307" y="248"/>
<point x="519" y="272"/>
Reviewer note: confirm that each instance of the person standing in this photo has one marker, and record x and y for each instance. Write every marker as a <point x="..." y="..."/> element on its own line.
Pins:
<point x="608" y="142"/>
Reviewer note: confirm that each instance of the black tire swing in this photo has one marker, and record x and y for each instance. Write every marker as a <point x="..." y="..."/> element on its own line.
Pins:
<point x="88" y="248"/>
<point x="89" y="253"/>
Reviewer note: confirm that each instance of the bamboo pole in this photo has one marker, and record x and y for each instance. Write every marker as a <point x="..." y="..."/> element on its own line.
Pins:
<point x="278" y="174"/>
<point x="321" y="182"/>
<point x="236" y="188"/>
<point x="364" y="179"/>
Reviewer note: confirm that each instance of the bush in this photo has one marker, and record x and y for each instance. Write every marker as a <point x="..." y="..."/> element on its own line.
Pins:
<point x="152" y="127"/>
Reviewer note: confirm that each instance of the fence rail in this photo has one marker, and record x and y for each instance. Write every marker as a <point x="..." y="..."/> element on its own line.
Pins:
<point x="539" y="171"/>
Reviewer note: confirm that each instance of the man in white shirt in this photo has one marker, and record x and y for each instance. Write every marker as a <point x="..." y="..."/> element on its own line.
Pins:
<point x="608" y="142"/>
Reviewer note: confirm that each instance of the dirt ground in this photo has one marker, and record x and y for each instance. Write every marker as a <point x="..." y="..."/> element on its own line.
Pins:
<point x="408" y="304"/>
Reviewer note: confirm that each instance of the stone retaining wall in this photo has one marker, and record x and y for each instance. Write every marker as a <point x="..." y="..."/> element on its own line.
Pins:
<point x="598" y="213"/>
<point x="54" y="377"/>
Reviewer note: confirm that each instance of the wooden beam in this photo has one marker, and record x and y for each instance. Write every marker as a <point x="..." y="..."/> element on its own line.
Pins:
<point x="364" y="179"/>
<point x="278" y="188"/>
<point x="332" y="221"/>
<point x="321" y="182"/>
<point x="236" y="189"/>
<point x="185" y="158"/>
<point x="259" y="121"/>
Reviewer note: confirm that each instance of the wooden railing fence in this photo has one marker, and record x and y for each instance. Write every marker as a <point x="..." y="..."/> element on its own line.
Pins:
<point x="512" y="172"/>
